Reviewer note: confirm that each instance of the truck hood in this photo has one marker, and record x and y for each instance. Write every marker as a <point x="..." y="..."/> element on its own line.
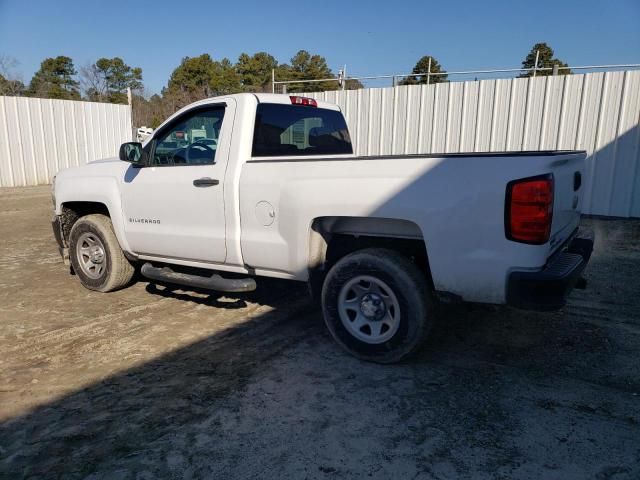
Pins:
<point x="104" y="160"/>
<point x="112" y="167"/>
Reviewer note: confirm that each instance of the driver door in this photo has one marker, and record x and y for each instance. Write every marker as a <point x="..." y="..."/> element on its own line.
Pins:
<point x="174" y="207"/>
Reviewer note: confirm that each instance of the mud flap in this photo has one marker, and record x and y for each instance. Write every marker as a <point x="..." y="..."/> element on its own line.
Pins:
<point x="58" y="234"/>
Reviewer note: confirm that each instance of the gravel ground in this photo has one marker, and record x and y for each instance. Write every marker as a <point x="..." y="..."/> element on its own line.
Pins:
<point x="151" y="382"/>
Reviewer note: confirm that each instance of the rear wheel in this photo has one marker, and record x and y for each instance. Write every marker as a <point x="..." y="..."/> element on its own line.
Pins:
<point x="376" y="305"/>
<point x="96" y="256"/>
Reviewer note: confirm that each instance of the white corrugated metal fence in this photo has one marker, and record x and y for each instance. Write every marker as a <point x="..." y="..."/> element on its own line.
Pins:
<point x="39" y="136"/>
<point x="596" y="112"/>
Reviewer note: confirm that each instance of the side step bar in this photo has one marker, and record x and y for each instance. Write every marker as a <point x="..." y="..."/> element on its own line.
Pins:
<point x="214" y="282"/>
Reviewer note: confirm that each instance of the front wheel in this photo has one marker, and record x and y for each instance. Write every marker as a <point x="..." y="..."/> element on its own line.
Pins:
<point x="96" y="256"/>
<point x="376" y="305"/>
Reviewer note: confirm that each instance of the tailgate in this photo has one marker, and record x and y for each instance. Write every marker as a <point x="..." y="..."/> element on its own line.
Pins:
<point x="568" y="175"/>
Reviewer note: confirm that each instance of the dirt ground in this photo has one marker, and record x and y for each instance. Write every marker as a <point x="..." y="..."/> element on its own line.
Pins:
<point x="151" y="382"/>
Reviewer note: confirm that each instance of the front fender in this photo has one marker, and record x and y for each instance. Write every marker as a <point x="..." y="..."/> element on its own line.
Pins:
<point x="98" y="189"/>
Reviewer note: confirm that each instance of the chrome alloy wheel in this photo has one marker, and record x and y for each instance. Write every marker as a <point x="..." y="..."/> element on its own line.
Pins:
<point x="91" y="255"/>
<point x="369" y="309"/>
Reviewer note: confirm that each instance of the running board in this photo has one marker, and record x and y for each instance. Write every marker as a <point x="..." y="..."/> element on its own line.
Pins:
<point x="214" y="282"/>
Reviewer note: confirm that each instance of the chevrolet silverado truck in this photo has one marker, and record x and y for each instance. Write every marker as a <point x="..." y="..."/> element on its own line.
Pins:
<point x="234" y="188"/>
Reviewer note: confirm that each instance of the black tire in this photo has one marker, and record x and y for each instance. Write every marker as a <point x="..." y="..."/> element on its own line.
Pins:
<point x="408" y="285"/>
<point x="116" y="270"/>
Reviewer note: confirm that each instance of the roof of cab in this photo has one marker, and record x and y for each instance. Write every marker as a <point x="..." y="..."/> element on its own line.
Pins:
<point x="261" y="97"/>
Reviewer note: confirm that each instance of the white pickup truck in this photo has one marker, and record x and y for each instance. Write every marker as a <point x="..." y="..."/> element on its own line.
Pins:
<point x="237" y="187"/>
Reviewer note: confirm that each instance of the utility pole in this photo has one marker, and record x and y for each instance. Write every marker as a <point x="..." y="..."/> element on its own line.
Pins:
<point x="429" y="70"/>
<point x="130" y="103"/>
<point x="535" y="65"/>
<point x="342" y="77"/>
<point x="273" y="80"/>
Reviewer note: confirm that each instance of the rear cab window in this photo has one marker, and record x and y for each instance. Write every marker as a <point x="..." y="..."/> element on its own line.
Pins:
<point x="295" y="130"/>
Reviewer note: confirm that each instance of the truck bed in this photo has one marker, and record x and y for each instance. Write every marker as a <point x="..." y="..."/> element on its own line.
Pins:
<point x="456" y="202"/>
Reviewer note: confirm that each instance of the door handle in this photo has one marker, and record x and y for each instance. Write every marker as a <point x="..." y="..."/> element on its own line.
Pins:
<point x="205" y="182"/>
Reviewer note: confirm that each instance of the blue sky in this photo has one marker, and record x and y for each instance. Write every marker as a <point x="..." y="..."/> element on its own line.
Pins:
<point x="370" y="37"/>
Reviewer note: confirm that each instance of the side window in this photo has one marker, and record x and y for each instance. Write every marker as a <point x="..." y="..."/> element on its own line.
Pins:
<point x="190" y="140"/>
<point x="291" y="130"/>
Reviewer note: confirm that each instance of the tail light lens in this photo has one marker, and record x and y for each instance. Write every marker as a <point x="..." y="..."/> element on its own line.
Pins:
<point x="304" y="101"/>
<point x="529" y="210"/>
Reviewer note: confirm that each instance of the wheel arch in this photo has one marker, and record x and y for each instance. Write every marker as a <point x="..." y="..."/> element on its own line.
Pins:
<point x="71" y="212"/>
<point x="331" y="238"/>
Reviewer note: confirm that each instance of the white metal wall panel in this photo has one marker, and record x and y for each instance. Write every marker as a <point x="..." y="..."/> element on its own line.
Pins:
<point x="469" y="116"/>
<point x="454" y="117"/>
<point x="596" y="112"/>
<point x="438" y="127"/>
<point x="500" y="115"/>
<point x="427" y="97"/>
<point x="603" y="159"/>
<point x="551" y="113"/>
<point x="570" y="112"/>
<point x="39" y="136"/>
<point x="400" y="124"/>
<point x="374" y="99"/>
<point x="533" y="114"/>
<point x="627" y="152"/>
<point x="484" y="114"/>
<point x="517" y="113"/>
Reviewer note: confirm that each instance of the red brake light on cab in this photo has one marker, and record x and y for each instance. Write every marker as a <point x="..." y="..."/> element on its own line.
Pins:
<point x="304" y="101"/>
<point x="529" y="210"/>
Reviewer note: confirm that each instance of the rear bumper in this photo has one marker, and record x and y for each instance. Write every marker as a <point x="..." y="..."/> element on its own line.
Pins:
<point x="547" y="289"/>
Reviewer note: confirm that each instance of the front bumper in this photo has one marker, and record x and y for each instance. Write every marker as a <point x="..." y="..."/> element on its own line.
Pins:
<point x="547" y="289"/>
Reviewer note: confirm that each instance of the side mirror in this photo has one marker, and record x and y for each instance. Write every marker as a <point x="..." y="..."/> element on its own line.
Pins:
<point x="132" y="152"/>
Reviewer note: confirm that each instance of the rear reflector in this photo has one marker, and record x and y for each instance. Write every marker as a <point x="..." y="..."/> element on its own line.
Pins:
<point x="304" y="101"/>
<point x="529" y="210"/>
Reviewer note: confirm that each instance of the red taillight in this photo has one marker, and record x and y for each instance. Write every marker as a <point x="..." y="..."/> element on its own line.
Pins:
<point x="304" y="101"/>
<point x="529" y="210"/>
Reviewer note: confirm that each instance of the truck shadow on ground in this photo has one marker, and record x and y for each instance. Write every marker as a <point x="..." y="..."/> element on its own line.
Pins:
<point x="199" y="297"/>
<point x="137" y="415"/>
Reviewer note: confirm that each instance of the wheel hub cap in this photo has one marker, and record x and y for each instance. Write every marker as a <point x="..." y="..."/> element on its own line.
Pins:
<point x="91" y="255"/>
<point x="372" y="306"/>
<point x="96" y="254"/>
<point x="369" y="309"/>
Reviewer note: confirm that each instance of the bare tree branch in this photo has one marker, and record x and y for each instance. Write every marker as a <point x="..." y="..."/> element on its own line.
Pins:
<point x="92" y="82"/>
<point x="10" y="82"/>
